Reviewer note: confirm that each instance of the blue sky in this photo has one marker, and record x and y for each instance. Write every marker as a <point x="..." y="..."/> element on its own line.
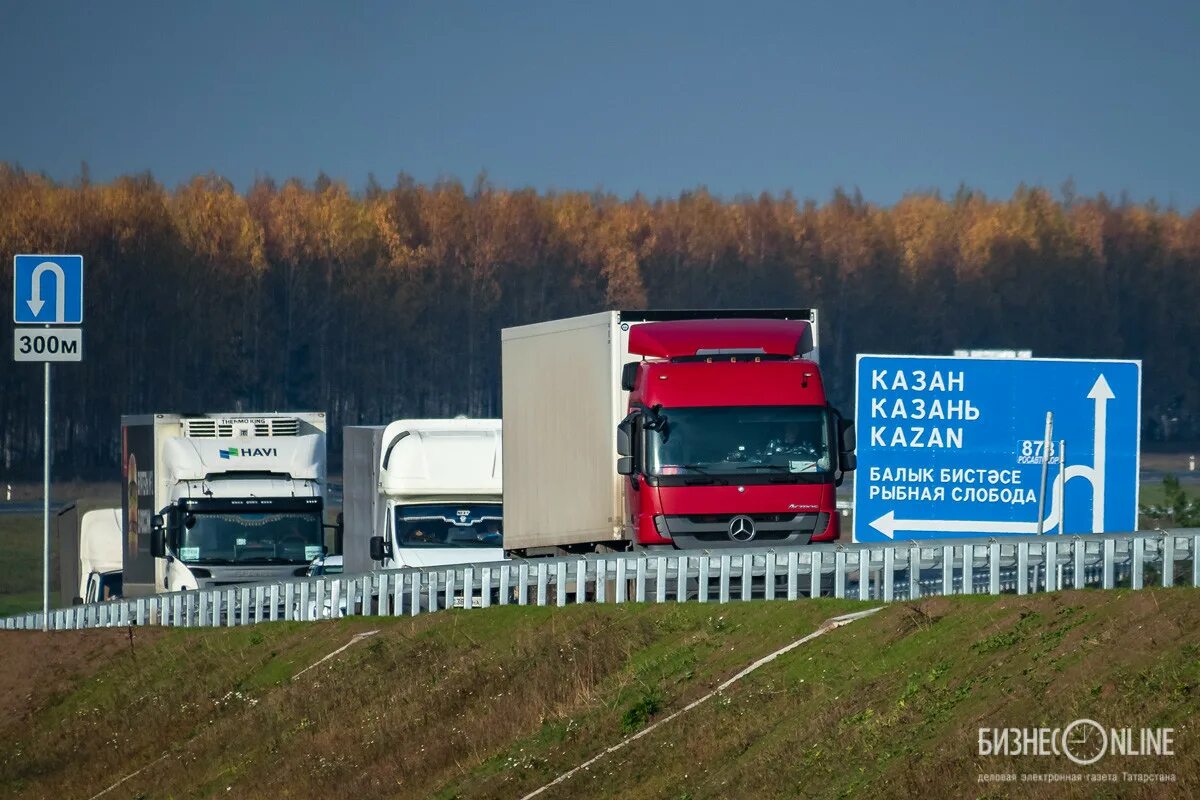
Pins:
<point x="654" y="97"/>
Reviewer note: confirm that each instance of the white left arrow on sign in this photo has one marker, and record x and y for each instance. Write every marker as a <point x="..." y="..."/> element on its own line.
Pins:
<point x="35" y="300"/>
<point x="888" y="525"/>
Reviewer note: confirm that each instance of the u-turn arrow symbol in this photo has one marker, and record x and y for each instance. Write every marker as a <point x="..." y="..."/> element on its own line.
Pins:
<point x="35" y="300"/>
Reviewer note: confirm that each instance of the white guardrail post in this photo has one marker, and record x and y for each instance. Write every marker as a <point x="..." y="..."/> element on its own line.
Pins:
<point x="1167" y="558"/>
<point x="1195" y="552"/>
<point x="1139" y="559"/>
<point x="1078" y="574"/>
<point x="947" y="570"/>
<point x="506" y="585"/>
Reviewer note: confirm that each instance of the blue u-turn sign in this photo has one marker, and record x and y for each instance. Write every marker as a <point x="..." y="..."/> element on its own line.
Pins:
<point x="952" y="447"/>
<point x="47" y="290"/>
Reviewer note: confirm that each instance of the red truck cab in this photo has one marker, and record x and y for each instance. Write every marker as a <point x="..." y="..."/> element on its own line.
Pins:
<point x="730" y="440"/>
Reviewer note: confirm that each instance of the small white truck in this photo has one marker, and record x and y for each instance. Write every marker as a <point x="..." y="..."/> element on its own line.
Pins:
<point x="422" y="492"/>
<point x="89" y="541"/>
<point x="215" y="499"/>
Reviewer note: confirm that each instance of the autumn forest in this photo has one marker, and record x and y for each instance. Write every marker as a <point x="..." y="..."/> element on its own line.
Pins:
<point x="388" y="302"/>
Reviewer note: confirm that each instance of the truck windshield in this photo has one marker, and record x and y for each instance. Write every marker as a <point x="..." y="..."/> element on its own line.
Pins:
<point x="740" y="440"/>
<point x="456" y="525"/>
<point x="250" y="538"/>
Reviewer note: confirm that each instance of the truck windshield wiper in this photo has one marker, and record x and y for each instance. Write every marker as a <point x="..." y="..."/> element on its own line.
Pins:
<point x="773" y="467"/>
<point x="267" y="560"/>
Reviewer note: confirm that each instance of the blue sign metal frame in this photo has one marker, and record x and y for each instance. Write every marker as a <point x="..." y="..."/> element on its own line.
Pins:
<point x="952" y="447"/>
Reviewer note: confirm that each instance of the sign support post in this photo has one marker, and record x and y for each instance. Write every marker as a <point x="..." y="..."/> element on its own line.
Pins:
<point x="46" y="506"/>
<point x="1046" y="442"/>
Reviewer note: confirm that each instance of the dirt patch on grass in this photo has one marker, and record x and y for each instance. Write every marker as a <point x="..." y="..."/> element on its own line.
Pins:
<point x="38" y="666"/>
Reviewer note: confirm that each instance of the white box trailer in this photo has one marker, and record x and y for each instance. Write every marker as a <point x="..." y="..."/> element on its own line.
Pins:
<point x="562" y="402"/>
<point x="362" y="504"/>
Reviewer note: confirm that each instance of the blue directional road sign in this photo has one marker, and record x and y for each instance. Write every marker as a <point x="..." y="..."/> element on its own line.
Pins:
<point x="952" y="447"/>
<point x="47" y="290"/>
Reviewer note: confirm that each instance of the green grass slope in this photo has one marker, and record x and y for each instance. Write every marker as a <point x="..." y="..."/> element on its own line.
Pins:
<point x="496" y="703"/>
<point x="21" y="565"/>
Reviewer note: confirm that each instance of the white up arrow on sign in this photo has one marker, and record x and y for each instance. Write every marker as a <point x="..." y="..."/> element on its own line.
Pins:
<point x="1101" y="393"/>
<point x="35" y="300"/>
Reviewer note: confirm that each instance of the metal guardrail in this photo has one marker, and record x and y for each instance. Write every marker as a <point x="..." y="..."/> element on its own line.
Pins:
<point x="902" y="571"/>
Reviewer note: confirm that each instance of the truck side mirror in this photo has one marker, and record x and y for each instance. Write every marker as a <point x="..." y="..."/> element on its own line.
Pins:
<point x="158" y="543"/>
<point x="847" y="440"/>
<point x="625" y="465"/>
<point x="625" y="436"/>
<point x="379" y="548"/>
<point x="629" y="376"/>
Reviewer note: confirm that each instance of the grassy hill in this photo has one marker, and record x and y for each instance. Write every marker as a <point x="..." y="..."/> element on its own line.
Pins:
<point x="21" y="565"/>
<point x="496" y="703"/>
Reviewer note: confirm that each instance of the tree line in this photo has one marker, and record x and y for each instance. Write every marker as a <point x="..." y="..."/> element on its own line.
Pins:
<point x="388" y="302"/>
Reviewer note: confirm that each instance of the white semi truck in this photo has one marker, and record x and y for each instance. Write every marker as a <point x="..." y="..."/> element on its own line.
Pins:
<point x="215" y="499"/>
<point x="422" y="492"/>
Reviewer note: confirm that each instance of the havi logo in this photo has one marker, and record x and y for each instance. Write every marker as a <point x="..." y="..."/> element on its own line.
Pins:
<point x="249" y="452"/>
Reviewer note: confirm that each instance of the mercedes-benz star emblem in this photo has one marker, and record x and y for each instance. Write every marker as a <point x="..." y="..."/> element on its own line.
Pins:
<point x="741" y="528"/>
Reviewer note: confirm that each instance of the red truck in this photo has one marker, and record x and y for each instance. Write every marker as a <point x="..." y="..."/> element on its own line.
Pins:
<point x="724" y="435"/>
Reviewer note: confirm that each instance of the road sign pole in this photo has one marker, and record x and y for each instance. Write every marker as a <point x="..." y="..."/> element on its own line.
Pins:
<point x="1041" y="522"/>
<point x="57" y="340"/>
<point x="46" y="506"/>
<point x="1062" y="486"/>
